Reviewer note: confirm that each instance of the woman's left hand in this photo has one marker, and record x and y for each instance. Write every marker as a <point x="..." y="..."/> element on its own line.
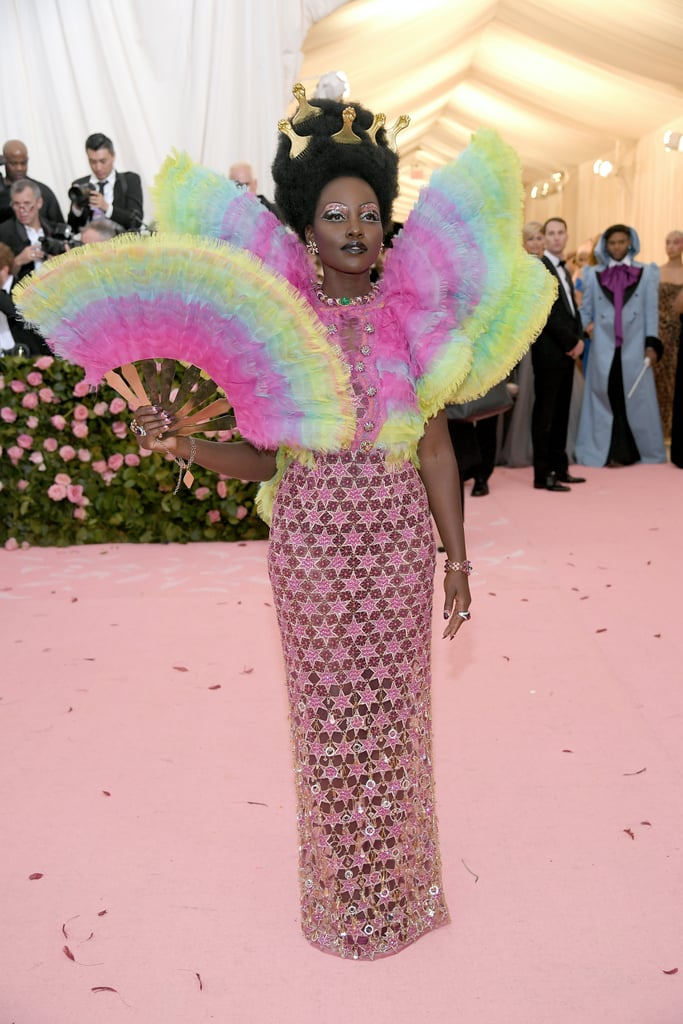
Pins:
<point x="457" y="602"/>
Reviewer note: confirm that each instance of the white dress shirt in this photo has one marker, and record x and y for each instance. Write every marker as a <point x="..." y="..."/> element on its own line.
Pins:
<point x="563" y="275"/>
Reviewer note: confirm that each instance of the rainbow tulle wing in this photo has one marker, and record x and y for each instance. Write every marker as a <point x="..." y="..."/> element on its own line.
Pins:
<point x="207" y="304"/>
<point x="475" y="299"/>
<point x="191" y="199"/>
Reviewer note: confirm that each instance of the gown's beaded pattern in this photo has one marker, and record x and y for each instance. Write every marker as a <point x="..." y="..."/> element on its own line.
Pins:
<point x="351" y="559"/>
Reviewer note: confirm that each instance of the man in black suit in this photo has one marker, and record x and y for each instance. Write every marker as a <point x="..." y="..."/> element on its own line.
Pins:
<point x="15" y="155"/>
<point x="552" y="355"/>
<point x="105" y="192"/>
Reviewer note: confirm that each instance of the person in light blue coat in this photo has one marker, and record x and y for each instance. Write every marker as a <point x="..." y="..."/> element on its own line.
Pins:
<point x="620" y="424"/>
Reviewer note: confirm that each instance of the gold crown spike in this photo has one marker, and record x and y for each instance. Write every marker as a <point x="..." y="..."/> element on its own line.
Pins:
<point x="298" y="142"/>
<point x="304" y="110"/>
<point x="378" y="121"/>
<point x="399" y="124"/>
<point x="347" y="134"/>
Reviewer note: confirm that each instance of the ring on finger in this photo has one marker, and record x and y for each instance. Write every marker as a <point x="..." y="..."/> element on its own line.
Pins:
<point x="465" y="616"/>
<point x="137" y="429"/>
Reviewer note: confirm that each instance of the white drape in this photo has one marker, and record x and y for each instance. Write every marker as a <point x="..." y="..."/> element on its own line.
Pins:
<point x="209" y="76"/>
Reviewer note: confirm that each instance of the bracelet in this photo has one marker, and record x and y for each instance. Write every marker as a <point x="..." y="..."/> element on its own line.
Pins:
<point x="465" y="566"/>
<point x="184" y="467"/>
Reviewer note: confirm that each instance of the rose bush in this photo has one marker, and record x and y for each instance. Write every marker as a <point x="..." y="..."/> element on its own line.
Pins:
<point x="72" y="475"/>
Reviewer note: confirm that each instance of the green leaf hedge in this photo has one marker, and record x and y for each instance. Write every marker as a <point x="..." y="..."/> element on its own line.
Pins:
<point x="72" y="472"/>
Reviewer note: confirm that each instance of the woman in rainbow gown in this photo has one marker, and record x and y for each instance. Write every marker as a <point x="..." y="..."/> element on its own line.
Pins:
<point x="352" y="552"/>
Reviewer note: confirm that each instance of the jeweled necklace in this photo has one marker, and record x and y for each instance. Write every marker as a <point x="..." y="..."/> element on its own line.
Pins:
<point x="357" y="300"/>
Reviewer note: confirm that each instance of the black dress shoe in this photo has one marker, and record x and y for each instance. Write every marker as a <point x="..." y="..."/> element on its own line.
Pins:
<point x="480" y="489"/>
<point x="567" y="478"/>
<point x="550" y="484"/>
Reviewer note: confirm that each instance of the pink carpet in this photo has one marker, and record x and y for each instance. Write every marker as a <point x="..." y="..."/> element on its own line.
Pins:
<point x="145" y="776"/>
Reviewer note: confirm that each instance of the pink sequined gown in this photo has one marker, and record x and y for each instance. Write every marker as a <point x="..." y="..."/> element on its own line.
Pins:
<point x="351" y="561"/>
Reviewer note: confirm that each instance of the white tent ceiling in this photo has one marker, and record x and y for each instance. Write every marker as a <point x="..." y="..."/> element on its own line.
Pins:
<point x="564" y="83"/>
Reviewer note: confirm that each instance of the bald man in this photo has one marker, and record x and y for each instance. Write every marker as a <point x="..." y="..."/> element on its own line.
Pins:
<point x="243" y="175"/>
<point x="15" y="155"/>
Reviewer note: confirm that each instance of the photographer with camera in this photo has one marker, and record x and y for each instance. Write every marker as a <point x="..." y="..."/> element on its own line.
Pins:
<point x="31" y="238"/>
<point x="106" y="192"/>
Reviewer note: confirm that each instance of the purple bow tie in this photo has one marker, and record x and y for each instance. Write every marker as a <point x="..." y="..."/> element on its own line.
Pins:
<point x="618" y="278"/>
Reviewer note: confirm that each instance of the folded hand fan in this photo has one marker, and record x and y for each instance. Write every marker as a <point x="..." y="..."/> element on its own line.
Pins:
<point x="137" y="299"/>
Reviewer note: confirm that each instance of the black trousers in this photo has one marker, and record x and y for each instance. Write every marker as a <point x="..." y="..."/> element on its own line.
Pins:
<point x="550" y="418"/>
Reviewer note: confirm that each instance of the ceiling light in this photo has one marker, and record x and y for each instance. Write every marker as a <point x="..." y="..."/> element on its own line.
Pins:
<point x="555" y="183"/>
<point x="604" y="168"/>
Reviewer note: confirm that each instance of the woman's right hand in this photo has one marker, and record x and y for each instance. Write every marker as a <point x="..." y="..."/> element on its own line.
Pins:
<point x="155" y="422"/>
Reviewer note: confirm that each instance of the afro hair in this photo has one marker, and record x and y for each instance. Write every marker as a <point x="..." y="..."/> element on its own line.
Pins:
<point x="300" y="180"/>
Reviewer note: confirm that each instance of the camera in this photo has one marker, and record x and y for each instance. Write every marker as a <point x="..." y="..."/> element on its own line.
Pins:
<point x="58" y="242"/>
<point x="80" y="195"/>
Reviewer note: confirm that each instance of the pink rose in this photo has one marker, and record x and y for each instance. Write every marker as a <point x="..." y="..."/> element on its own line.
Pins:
<point x="7" y="415"/>
<point x="32" y="422"/>
<point x="79" y="430"/>
<point x="56" y="492"/>
<point x="241" y="512"/>
<point x="18" y="386"/>
<point x="25" y="441"/>
<point x="63" y="478"/>
<point x="36" y="458"/>
<point x="100" y="408"/>
<point x="119" y="428"/>
<point x="58" y="422"/>
<point x="222" y="489"/>
<point x="108" y="476"/>
<point x="84" y="455"/>
<point x="81" y="412"/>
<point x="79" y="513"/>
<point x="145" y="453"/>
<point x="202" y="493"/>
<point x="99" y="466"/>
<point x="81" y="389"/>
<point x="131" y="459"/>
<point x="214" y="516"/>
<point x="224" y="435"/>
<point x="44" y="363"/>
<point x="50" y="444"/>
<point x="30" y="400"/>
<point x="115" y="461"/>
<point x="74" y="493"/>
<point x="46" y="395"/>
<point x="67" y="452"/>
<point x="116" y="406"/>
<point x="22" y="485"/>
<point x="11" y="544"/>
<point x="34" y="378"/>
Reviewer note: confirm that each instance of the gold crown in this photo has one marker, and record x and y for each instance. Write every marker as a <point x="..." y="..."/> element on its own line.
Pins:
<point x="346" y="134"/>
